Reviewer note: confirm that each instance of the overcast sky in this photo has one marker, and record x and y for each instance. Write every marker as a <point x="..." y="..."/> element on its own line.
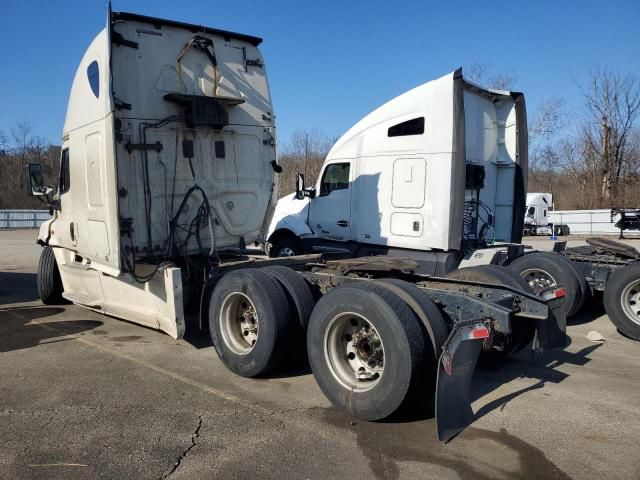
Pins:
<point x="332" y="62"/>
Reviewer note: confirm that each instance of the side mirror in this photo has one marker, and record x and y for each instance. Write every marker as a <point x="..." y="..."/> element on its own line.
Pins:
<point x="34" y="184"/>
<point x="299" y="186"/>
<point x="301" y="191"/>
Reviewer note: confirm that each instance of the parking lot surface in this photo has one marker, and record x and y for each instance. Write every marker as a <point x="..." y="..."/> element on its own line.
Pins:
<point x="83" y="395"/>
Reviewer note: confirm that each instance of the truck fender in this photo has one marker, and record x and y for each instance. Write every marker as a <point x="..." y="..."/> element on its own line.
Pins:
<point x="291" y="214"/>
<point x="44" y="232"/>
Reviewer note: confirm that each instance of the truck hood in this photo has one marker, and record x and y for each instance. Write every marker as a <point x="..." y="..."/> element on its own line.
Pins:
<point x="290" y="214"/>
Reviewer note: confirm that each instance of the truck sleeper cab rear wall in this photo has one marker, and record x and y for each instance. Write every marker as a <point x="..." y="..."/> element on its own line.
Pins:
<point x="134" y="152"/>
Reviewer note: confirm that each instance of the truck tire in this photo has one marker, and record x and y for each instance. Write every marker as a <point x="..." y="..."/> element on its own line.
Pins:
<point x="285" y="247"/>
<point x="427" y="311"/>
<point x="522" y="331"/>
<point x="497" y="274"/>
<point x="566" y="231"/>
<point x="298" y="292"/>
<point x="249" y="322"/>
<point x="434" y="328"/>
<point x="544" y="269"/>
<point x="48" y="279"/>
<point x="622" y="300"/>
<point x="367" y="351"/>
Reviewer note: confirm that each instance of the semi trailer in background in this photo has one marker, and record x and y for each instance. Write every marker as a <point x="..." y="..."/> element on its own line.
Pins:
<point x="168" y="169"/>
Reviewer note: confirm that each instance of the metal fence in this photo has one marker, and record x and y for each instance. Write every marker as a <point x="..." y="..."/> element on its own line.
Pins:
<point x="23" y="218"/>
<point x="589" y="221"/>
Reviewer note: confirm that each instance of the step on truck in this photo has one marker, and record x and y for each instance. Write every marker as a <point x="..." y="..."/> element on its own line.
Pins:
<point x="168" y="170"/>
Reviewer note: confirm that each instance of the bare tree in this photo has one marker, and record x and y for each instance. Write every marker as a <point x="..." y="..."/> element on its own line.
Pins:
<point x="545" y="125"/>
<point x="22" y="140"/>
<point x="481" y="74"/>
<point x="304" y="153"/>
<point x="22" y="148"/>
<point x="613" y="108"/>
<point x="4" y="143"/>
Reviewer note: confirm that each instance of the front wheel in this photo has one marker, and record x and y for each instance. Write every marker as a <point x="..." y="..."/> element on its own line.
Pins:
<point x="285" y="247"/>
<point x="367" y="351"/>
<point x="48" y="280"/>
<point x="622" y="300"/>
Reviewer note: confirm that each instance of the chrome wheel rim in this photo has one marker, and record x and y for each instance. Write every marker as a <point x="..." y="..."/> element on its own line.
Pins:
<point x="239" y="323"/>
<point x="354" y="352"/>
<point x="538" y="279"/>
<point x="630" y="300"/>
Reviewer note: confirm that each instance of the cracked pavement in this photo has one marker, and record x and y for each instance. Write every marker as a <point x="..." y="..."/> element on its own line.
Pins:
<point x="83" y="395"/>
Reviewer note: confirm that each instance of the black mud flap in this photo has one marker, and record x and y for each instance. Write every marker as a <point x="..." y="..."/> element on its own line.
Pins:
<point x="456" y="366"/>
<point x="552" y="331"/>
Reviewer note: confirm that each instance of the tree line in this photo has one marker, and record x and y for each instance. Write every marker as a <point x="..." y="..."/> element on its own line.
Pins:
<point x="18" y="148"/>
<point x="588" y="158"/>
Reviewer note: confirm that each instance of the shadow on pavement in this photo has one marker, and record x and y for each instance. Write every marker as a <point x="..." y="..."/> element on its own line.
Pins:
<point x="476" y="453"/>
<point x="525" y="365"/>
<point x="387" y="443"/>
<point x="17" y="287"/>
<point x="17" y="333"/>
<point x="591" y="310"/>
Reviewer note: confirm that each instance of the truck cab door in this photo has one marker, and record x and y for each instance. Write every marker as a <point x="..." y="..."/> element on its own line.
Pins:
<point x="330" y="210"/>
<point x="65" y="222"/>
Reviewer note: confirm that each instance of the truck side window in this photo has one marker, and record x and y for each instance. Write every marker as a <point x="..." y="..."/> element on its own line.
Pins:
<point x="335" y="177"/>
<point x="410" y="127"/>
<point x="64" y="172"/>
<point x="93" y="75"/>
<point x="531" y="211"/>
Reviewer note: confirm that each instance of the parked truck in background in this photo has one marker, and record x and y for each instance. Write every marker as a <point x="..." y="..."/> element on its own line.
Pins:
<point x="537" y="220"/>
<point x="168" y="169"/>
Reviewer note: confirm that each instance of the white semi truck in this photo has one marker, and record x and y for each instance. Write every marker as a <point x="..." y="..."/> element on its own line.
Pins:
<point x="537" y="220"/>
<point x="168" y="169"/>
<point x="372" y="200"/>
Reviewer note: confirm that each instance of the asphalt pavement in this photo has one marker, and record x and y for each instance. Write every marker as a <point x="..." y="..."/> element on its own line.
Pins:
<point x="83" y="395"/>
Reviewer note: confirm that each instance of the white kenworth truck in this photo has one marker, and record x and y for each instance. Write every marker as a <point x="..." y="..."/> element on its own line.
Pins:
<point x="443" y="182"/>
<point x="168" y="169"/>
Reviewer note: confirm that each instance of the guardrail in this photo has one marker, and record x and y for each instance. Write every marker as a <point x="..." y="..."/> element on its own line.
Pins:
<point x="23" y="218"/>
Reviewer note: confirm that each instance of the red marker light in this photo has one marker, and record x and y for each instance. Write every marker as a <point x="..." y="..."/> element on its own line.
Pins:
<point x="560" y="293"/>
<point x="480" y="332"/>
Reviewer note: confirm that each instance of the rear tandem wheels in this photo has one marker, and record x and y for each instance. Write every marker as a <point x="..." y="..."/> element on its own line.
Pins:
<point x="378" y="347"/>
<point x="603" y="266"/>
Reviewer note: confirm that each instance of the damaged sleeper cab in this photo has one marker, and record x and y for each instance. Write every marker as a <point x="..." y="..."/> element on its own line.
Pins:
<point x="168" y="170"/>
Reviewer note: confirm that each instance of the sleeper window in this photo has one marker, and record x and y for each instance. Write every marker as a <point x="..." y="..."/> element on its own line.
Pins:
<point x="410" y="127"/>
<point x="335" y="177"/>
<point x="93" y="75"/>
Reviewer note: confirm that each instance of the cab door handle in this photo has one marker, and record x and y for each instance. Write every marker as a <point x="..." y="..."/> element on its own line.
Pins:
<point x="343" y="223"/>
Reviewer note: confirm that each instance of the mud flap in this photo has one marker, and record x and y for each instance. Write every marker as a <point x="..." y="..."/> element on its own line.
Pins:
<point x="552" y="332"/>
<point x="456" y="366"/>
